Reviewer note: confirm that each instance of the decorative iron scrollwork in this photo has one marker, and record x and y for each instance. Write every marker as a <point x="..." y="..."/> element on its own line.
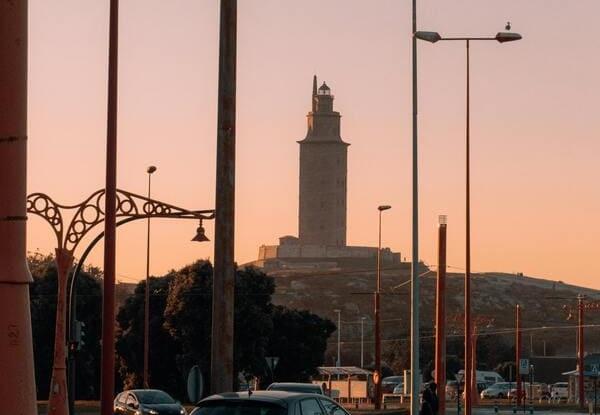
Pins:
<point x="90" y="213"/>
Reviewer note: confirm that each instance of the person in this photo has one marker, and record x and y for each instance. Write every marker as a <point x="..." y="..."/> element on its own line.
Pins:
<point x="435" y="402"/>
<point x="429" y="401"/>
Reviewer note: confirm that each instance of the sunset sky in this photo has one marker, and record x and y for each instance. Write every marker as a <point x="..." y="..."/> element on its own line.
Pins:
<point x="535" y="123"/>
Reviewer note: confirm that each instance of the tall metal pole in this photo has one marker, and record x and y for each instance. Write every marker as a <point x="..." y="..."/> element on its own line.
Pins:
<point x="338" y="361"/>
<point x="518" y="352"/>
<point x="468" y="347"/>
<point x="107" y="387"/>
<point x="378" y="322"/>
<point x="580" y="352"/>
<point x="221" y="369"/>
<point x="17" y="383"/>
<point x="362" y="342"/>
<point x="414" y="277"/>
<point x="150" y="170"/>
<point x="440" y="316"/>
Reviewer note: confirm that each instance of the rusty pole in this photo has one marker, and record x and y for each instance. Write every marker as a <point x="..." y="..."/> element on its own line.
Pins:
<point x="107" y="387"/>
<point x="518" y="352"/>
<point x="17" y="383"/>
<point x="58" y="403"/>
<point x="221" y="379"/>
<point x="580" y="352"/>
<point x="440" y="316"/>
<point x="474" y="390"/>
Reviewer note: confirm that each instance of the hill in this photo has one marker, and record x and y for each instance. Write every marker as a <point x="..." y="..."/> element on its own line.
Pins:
<point x="546" y="328"/>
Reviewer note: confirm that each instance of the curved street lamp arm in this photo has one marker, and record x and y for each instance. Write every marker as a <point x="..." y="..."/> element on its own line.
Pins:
<point x="90" y="213"/>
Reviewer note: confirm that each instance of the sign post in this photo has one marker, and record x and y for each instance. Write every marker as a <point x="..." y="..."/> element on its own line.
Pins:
<point x="595" y="379"/>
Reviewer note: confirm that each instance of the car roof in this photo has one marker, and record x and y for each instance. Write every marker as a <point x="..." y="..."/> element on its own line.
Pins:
<point x="293" y="384"/>
<point x="281" y="398"/>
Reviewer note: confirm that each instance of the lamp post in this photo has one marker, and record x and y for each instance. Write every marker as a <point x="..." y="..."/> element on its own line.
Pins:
<point x="150" y="170"/>
<point x="107" y="365"/>
<point x="362" y="342"/>
<point x="378" y="315"/>
<point x="338" y="360"/>
<point x="415" y="337"/>
<point x="86" y="216"/>
<point x="434" y="37"/>
<point x="440" y="313"/>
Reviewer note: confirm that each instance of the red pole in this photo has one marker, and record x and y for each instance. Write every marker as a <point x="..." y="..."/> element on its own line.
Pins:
<point x="58" y="400"/>
<point x="221" y="370"/>
<point x="107" y="387"/>
<point x="474" y="391"/>
<point x="440" y="318"/>
<point x="17" y="383"/>
<point x="518" y="352"/>
<point x="580" y="352"/>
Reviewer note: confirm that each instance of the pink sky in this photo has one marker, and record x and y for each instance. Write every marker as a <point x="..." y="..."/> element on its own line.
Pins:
<point x="535" y="123"/>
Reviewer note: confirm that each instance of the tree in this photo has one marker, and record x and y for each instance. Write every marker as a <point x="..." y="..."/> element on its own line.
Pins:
<point x="299" y="340"/>
<point x="163" y="349"/>
<point x="43" y="293"/>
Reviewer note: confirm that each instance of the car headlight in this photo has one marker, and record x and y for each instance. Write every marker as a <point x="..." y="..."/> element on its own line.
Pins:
<point x="183" y="411"/>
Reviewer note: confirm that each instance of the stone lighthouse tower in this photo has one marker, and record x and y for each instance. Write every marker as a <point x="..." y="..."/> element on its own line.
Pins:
<point x="323" y="174"/>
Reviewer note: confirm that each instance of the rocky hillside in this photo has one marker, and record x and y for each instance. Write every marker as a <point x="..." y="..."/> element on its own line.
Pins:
<point x="547" y="329"/>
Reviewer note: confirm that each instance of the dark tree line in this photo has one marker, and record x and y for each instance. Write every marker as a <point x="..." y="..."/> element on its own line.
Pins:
<point x="43" y="316"/>
<point x="180" y="329"/>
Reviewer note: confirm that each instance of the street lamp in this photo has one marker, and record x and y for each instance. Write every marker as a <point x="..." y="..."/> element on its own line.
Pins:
<point x="339" y="329"/>
<point x="501" y="37"/>
<point x="88" y="214"/>
<point x="150" y="170"/>
<point x="378" y="316"/>
<point x="362" y="342"/>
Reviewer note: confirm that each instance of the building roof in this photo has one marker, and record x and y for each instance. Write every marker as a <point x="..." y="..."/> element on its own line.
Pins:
<point x="324" y="87"/>
<point x="343" y="370"/>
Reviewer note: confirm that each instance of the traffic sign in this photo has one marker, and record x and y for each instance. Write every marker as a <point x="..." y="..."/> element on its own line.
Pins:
<point x="524" y="367"/>
<point x="595" y="370"/>
<point x="195" y="384"/>
<point x="272" y="362"/>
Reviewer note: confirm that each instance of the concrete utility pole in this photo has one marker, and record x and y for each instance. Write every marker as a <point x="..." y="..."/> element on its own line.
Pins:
<point x="107" y="381"/>
<point x="17" y="383"/>
<point x="440" y="316"/>
<point x="221" y="379"/>
<point x="415" y="340"/>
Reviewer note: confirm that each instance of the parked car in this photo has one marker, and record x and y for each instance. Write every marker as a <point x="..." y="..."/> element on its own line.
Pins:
<point x="389" y="383"/>
<point x="559" y="390"/>
<point x="268" y="403"/>
<point x="498" y="390"/>
<point x="146" y="402"/>
<point x="540" y="390"/>
<point x="399" y="389"/>
<point x="297" y="387"/>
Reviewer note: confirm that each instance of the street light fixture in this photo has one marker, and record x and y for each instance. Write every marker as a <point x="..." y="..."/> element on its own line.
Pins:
<point x="150" y="170"/>
<point x="87" y="215"/>
<point x="380" y="208"/>
<point x="200" y="234"/>
<point x="434" y="37"/>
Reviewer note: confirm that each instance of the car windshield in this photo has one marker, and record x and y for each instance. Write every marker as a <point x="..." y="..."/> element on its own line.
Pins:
<point x="239" y="408"/>
<point x="295" y="388"/>
<point x="153" y="397"/>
